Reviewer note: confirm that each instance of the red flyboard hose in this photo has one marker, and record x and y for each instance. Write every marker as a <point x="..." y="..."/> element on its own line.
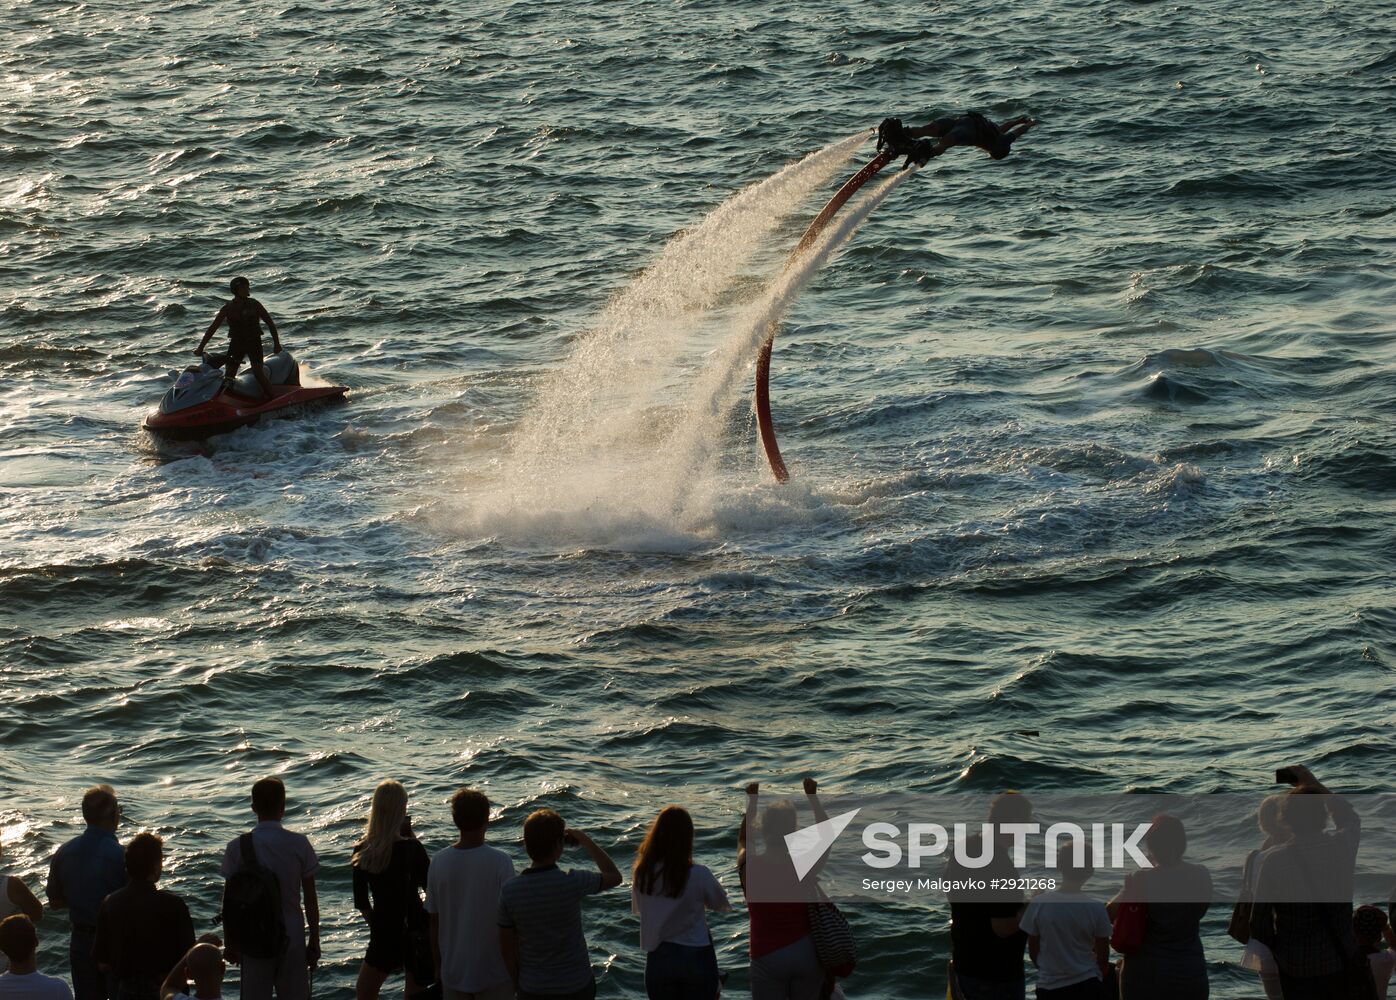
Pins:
<point x="763" y="360"/>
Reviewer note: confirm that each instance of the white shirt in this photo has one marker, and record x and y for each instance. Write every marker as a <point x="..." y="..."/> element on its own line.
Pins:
<point x="463" y="886"/>
<point x="1067" y="923"/>
<point x="291" y="859"/>
<point x="33" y="986"/>
<point x="678" y="919"/>
<point x="1383" y="963"/>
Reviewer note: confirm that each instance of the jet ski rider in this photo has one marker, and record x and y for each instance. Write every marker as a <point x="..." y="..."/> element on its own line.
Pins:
<point x="244" y="315"/>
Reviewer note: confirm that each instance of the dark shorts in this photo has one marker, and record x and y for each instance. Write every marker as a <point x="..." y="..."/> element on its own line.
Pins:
<point x="392" y="945"/>
<point x="970" y="130"/>
<point x="245" y="347"/>
<point x="1091" y="989"/>
<point x="385" y="954"/>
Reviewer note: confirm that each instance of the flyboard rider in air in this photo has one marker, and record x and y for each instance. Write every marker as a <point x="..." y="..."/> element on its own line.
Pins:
<point x="967" y="129"/>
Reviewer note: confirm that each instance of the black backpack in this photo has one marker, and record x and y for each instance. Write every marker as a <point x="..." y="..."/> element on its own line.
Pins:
<point x="252" y="919"/>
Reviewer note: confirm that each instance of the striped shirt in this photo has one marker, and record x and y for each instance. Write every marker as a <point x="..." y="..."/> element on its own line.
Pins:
<point x="543" y="906"/>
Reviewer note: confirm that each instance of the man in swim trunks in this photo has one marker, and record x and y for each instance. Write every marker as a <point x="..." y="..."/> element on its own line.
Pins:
<point x="968" y="129"/>
<point x="244" y="315"/>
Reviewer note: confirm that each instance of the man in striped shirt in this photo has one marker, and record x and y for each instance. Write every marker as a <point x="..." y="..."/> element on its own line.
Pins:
<point x="540" y="913"/>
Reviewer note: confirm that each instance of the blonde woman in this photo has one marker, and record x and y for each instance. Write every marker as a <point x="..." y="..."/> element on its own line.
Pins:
<point x="390" y="866"/>
<point x="1257" y="957"/>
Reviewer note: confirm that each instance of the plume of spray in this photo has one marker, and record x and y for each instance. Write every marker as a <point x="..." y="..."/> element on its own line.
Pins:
<point x="695" y="445"/>
<point x="606" y="452"/>
<point x="589" y="405"/>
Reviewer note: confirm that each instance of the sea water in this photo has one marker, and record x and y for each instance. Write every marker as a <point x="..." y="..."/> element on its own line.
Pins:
<point x="1091" y="448"/>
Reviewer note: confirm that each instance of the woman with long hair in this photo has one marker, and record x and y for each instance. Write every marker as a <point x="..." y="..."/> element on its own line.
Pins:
<point x="670" y="893"/>
<point x="390" y="867"/>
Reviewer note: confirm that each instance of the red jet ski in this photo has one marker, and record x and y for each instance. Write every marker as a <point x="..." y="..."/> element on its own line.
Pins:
<point x="200" y="405"/>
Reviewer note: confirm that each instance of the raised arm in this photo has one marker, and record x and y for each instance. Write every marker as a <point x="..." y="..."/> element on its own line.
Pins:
<point x="275" y="337"/>
<point x="610" y="874"/>
<point x="177" y="980"/>
<point x="1347" y="824"/>
<point x="217" y="322"/>
<point x="748" y="818"/>
<point x="812" y="790"/>
<point x="820" y="815"/>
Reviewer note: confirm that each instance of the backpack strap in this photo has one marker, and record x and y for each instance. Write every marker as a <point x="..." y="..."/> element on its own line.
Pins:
<point x="248" y="851"/>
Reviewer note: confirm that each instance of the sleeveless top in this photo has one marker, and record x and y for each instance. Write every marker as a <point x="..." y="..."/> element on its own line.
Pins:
<point x="244" y="318"/>
<point x="393" y="891"/>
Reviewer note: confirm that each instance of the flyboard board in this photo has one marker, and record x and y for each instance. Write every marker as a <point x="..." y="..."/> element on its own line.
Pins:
<point x="763" y="360"/>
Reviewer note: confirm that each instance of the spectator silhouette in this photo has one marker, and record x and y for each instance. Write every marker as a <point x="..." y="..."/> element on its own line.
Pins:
<point x="986" y="942"/>
<point x="463" y="887"/>
<point x="1068" y="936"/>
<point x="540" y="913"/>
<point x="84" y="871"/>
<point x="390" y="866"/>
<point x="291" y="859"/>
<point x="1303" y="907"/>
<point x="670" y="894"/>
<point x="1375" y="939"/>
<point x="22" y="979"/>
<point x="1170" y="965"/>
<point x="142" y="931"/>
<point x="1257" y="957"/>
<point x="784" y="962"/>
<point x="204" y="965"/>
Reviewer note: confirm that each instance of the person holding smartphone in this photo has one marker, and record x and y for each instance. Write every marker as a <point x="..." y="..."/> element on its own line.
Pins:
<point x="1303" y="894"/>
<point x="390" y="868"/>
<point x="540" y="913"/>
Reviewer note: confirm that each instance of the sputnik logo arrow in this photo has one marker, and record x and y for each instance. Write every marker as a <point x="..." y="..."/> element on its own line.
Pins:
<point x="809" y="845"/>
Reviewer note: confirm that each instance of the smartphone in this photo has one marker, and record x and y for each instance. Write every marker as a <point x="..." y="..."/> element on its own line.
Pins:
<point x="1286" y="776"/>
<point x="569" y="839"/>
